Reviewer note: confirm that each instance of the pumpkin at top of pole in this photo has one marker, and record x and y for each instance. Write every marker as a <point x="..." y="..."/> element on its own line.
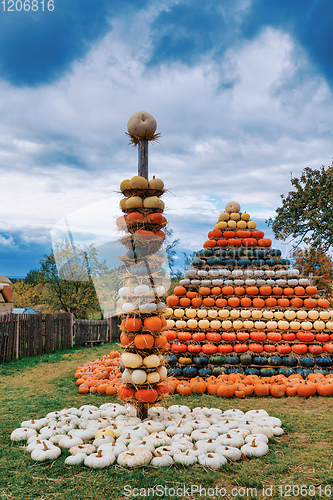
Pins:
<point x="141" y="129"/>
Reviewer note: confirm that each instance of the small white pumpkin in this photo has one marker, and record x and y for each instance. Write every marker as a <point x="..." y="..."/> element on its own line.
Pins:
<point x="256" y="437"/>
<point x="99" y="460"/>
<point x="76" y="459"/>
<point x="255" y="449"/>
<point x="82" y="448"/>
<point x="22" y="434"/>
<point x="115" y="449"/>
<point x="164" y="450"/>
<point x="185" y="458"/>
<point x="230" y="440"/>
<point x="69" y="441"/>
<point x="213" y="460"/>
<point x="199" y="435"/>
<point x="207" y="445"/>
<point x="45" y="452"/>
<point x="230" y="452"/>
<point x="162" y="461"/>
<point x="135" y="457"/>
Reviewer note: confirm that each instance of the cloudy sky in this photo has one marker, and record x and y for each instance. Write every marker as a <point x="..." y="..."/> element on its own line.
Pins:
<point x="241" y="91"/>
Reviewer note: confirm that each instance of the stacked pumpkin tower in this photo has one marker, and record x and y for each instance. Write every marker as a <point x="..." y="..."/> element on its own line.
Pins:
<point x="241" y="308"/>
<point x="143" y="276"/>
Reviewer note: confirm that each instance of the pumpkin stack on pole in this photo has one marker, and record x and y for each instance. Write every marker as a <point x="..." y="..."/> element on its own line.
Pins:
<point x="143" y="273"/>
<point x="241" y="308"/>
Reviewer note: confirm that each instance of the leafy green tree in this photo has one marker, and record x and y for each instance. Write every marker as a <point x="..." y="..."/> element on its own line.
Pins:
<point x="27" y="294"/>
<point x="67" y="276"/>
<point x="316" y="263"/>
<point x="307" y="212"/>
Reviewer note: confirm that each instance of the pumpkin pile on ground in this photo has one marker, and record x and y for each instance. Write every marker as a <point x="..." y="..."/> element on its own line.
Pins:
<point x="241" y="386"/>
<point x="112" y="433"/>
<point x="101" y="375"/>
<point x="241" y="308"/>
<point x="141" y="303"/>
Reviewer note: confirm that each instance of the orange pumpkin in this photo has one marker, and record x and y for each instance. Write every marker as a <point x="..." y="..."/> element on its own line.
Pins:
<point x="125" y="392"/>
<point x="265" y="290"/>
<point x="283" y="302"/>
<point x="144" y="341"/>
<point x="239" y="290"/>
<point x="221" y="302"/>
<point x="310" y="303"/>
<point x="209" y="301"/>
<point x="146" y="395"/>
<point x="324" y="303"/>
<point x="196" y="301"/>
<point x="311" y="290"/>
<point x="246" y="302"/>
<point x="209" y="243"/>
<point x="133" y="324"/>
<point x="215" y="233"/>
<point x="153" y="323"/>
<point x="172" y="300"/>
<point x="227" y="290"/>
<point x="233" y="301"/>
<point x="252" y="290"/>
<point x="299" y="348"/>
<point x="184" y="390"/>
<point x="204" y="290"/>
<point x="222" y="243"/>
<point x="216" y="290"/>
<point x="258" y="302"/>
<point x="184" y="301"/>
<point x="264" y="242"/>
<point x="296" y="302"/>
<point x="160" y="341"/>
<point x="179" y="290"/>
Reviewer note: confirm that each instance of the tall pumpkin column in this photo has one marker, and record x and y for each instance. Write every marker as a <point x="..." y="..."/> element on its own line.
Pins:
<point x="141" y="297"/>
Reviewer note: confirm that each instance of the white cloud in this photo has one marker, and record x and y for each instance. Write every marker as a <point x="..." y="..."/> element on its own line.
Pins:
<point x="63" y="146"/>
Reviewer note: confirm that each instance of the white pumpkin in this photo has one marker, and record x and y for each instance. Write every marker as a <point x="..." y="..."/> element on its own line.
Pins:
<point x="230" y="452"/>
<point x="76" y="459"/>
<point x="185" y="458"/>
<point x="99" y="460"/>
<point x="255" y="449"/>
<point x="213" y="460"/>
<point x="22" y="434"/>
<point x="45" y="452"/>
<point x="135" y="457"/>
<point x="142" y="125"/>
<point x="82" y="448"/>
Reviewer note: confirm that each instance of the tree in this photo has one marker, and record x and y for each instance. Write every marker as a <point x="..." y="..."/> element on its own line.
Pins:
<point x="27" y="294"/>
<point x="307" y="213"/>
<point x="67" y="276"/>
<point x="314" y="262"/>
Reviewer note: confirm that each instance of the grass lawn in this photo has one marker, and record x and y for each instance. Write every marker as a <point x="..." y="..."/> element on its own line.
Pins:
<point x="33" y="387"/>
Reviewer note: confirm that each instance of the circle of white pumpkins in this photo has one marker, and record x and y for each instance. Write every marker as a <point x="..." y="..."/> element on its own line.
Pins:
<point x="175" y="435"/>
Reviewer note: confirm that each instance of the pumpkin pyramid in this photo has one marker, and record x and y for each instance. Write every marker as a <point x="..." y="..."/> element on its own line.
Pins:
<point x="241" y="308"/>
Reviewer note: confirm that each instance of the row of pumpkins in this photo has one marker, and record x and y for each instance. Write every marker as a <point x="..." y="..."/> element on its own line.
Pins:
<point x="261" y="319"/>
<point x="141" y="296"/>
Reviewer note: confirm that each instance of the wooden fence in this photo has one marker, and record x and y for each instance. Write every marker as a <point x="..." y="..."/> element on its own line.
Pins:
<point x="34" y="334"/>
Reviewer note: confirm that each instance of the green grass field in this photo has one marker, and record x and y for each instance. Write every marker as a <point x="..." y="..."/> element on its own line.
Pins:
<point x="33" y="387"/>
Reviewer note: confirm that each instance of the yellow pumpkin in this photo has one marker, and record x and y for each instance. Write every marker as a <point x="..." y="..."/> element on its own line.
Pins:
<point x="153" y="202"/>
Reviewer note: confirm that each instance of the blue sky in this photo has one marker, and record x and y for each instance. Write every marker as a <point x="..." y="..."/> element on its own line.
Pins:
<point x="241" y="91"/>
